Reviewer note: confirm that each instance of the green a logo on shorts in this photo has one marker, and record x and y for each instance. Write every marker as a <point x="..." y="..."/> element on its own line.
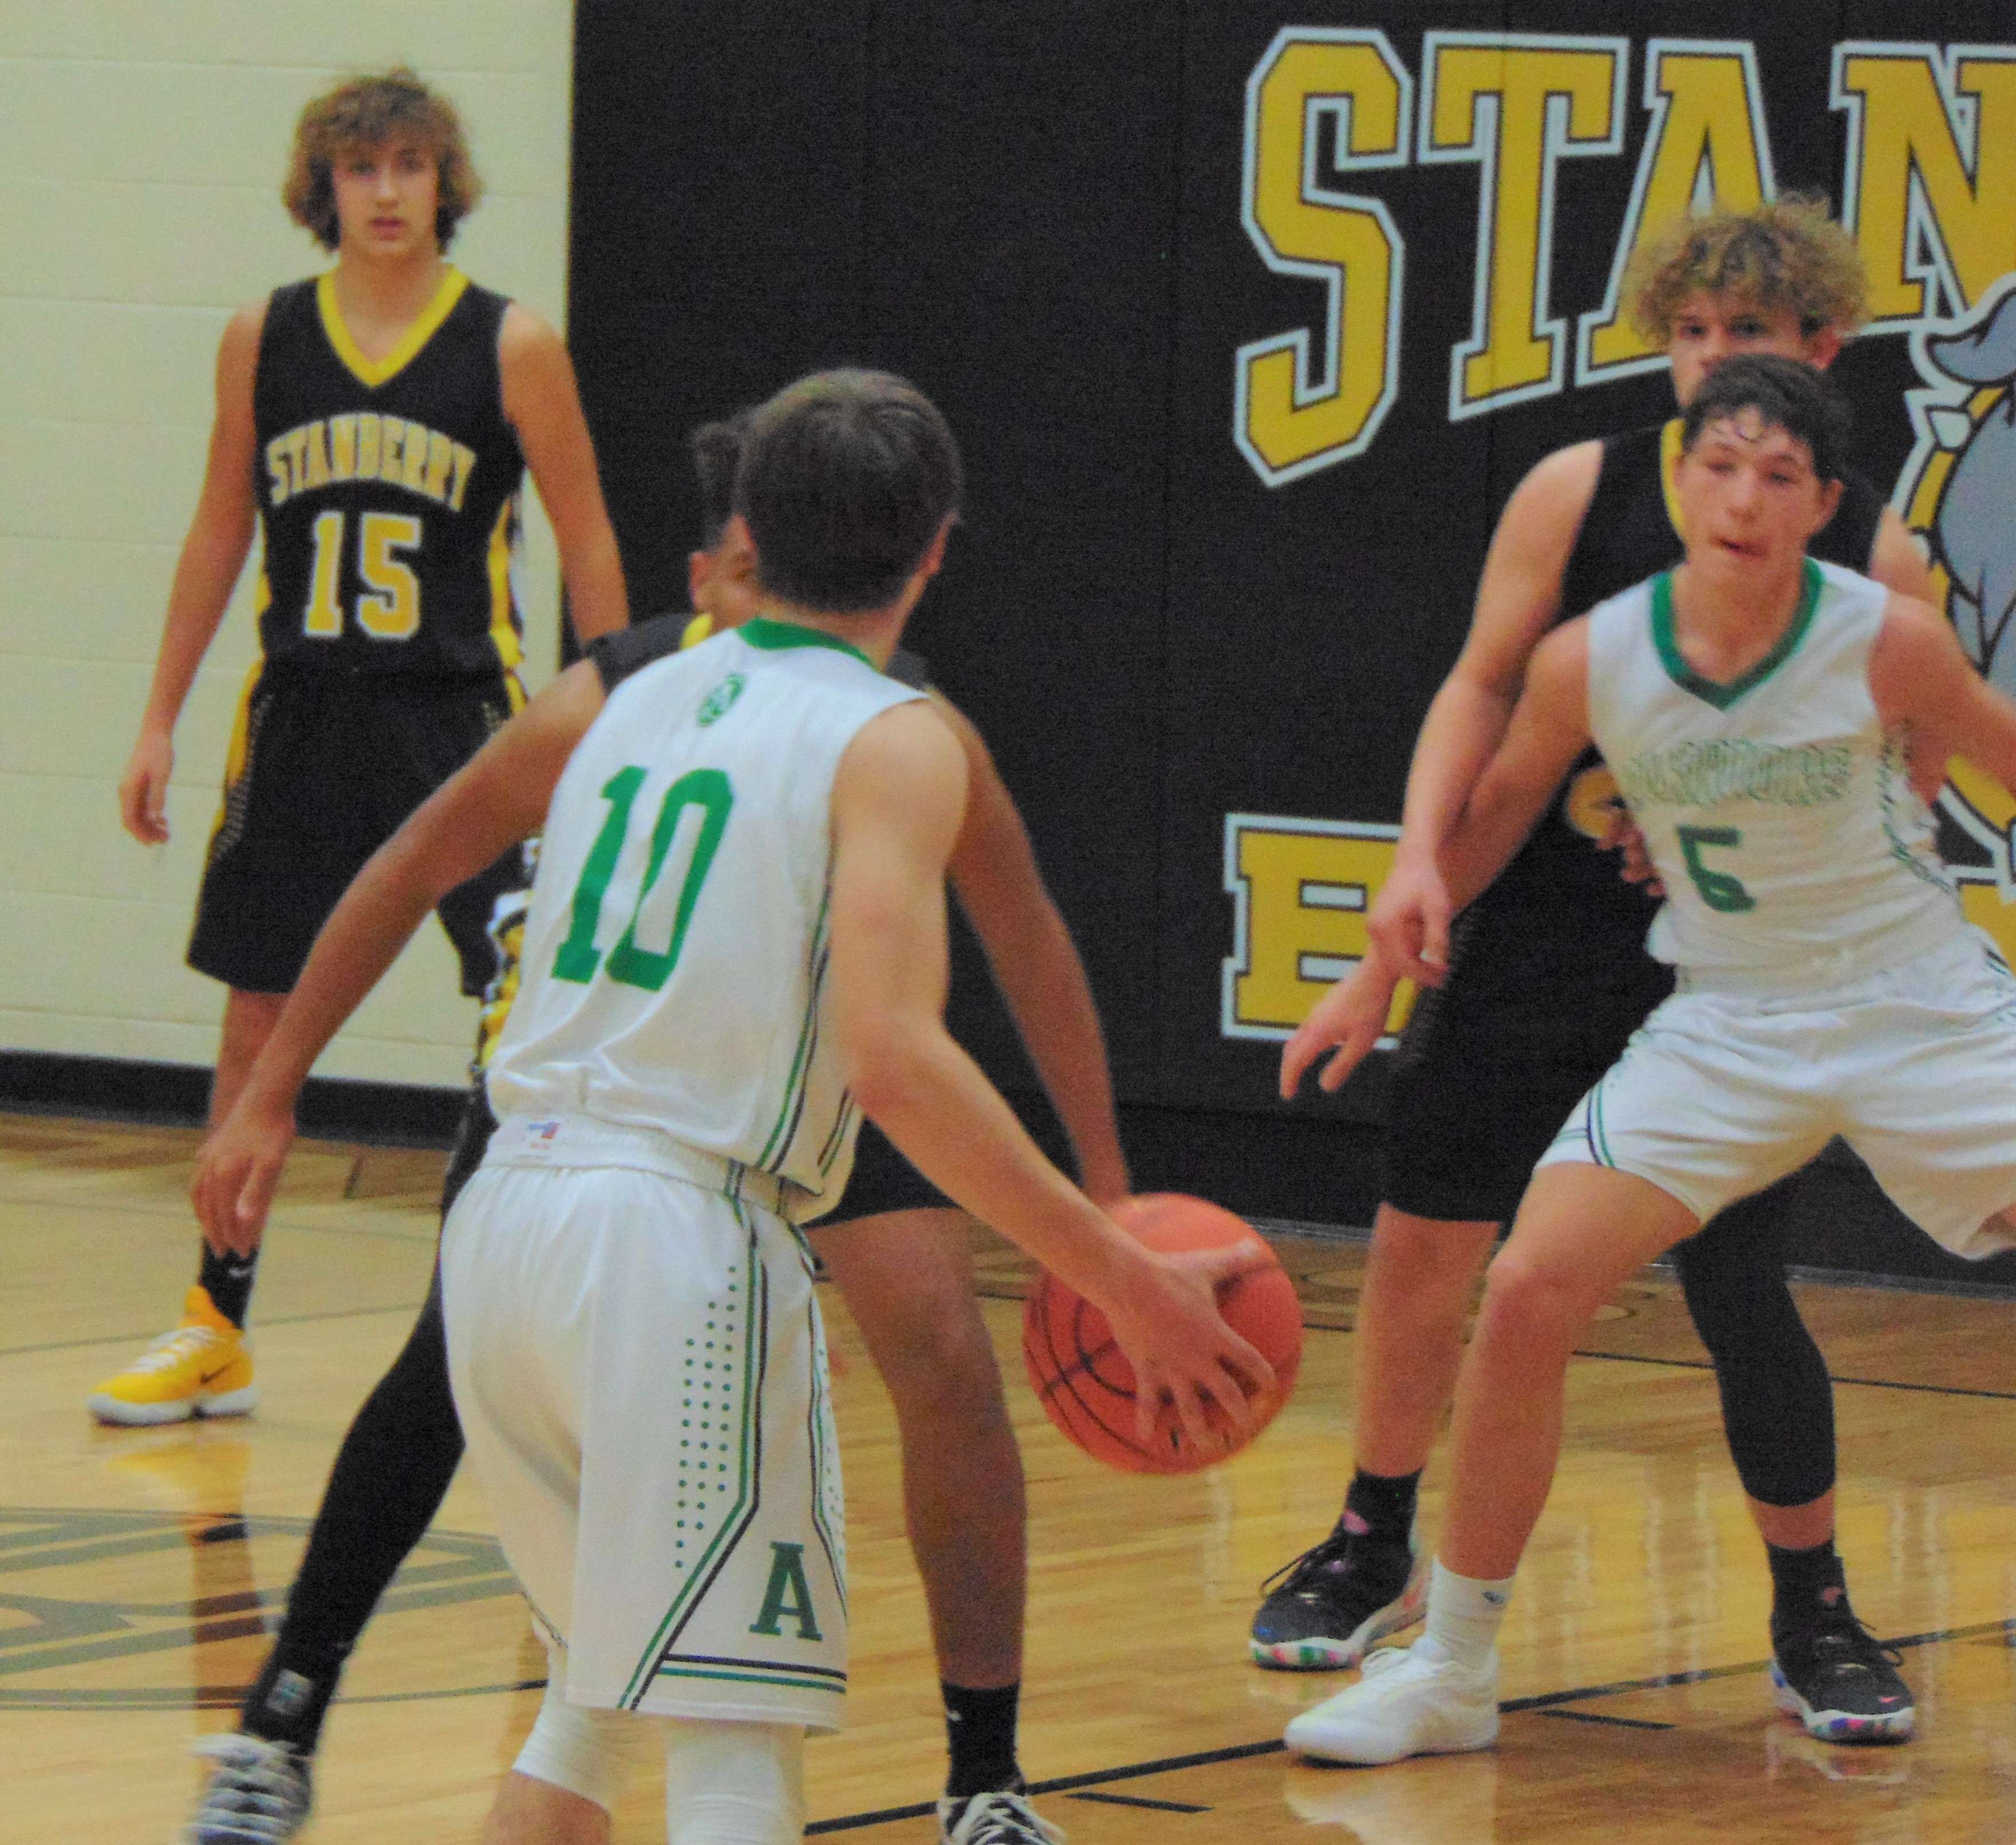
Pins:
<point x="787" y="1579"/>
<point x="715" y="705"/>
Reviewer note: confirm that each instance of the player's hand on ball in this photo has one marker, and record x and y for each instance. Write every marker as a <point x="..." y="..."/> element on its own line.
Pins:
<point x="237" y="1172"/>
<point x="1166" y="1321"/>
<point x="1350" y="1017"/>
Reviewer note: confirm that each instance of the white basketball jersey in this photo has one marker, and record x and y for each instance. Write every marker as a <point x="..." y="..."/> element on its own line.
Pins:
<point x="676" y="952"/>
<point x="1780" y="815"/>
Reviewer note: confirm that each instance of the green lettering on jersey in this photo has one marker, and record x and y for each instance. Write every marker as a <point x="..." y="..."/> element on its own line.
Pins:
<point x="788" y="1593"/>
<point x="707" y="790"/>
<point x="1718" y="890"/>
<point x="578" y="957"/>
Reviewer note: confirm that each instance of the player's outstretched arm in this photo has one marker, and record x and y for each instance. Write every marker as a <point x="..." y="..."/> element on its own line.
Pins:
<point x="1549" y="728"/>
<point x="898" y="801"/>
<point x="497" y="799"/>
<point x="1924" y="685"/>
<point x="212" y="555"/>
<point x="1518" y="597"/>
<point x="1035" y="963"/>
<point x="544" y="406"/>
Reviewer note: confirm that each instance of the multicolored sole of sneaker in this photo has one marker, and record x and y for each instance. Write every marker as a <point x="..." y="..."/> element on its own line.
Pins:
<point x="1841" y="1726"/>
<point x="1320" y="1653"/>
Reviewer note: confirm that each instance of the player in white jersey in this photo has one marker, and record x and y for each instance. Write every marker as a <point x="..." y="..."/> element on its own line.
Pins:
<point x="736" y="944"/>
<point x="1757" y="707"/>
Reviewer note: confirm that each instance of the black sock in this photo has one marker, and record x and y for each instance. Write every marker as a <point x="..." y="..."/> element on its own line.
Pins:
<point x="228" y="1281"/>
<point x="291" y="1697"/>
<point x="1385" y="1502"/>
<point x="1803" y="1582"/>
<point x="980" y="1727"/>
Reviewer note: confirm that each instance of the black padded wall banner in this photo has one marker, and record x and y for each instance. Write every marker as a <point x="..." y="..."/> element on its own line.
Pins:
<point x="1249" y="319"/>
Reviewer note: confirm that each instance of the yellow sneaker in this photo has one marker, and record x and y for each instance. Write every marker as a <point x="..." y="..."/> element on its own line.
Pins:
<point x="202" y="1368"/>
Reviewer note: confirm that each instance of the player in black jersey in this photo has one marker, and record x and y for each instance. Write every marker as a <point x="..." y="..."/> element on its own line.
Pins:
<point x="1546" y="976"/>
<point x="898" y="1250"/>
<point x="376" y="422"/>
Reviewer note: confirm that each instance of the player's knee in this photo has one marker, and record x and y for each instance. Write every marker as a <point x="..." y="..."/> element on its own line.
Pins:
<point x="588" y="1752"/>
<point x="1417" y="1259"/>
<point x="1530" y="1300"/>
<point x="937" y="1360"/>
<point x="734" y="1783"/>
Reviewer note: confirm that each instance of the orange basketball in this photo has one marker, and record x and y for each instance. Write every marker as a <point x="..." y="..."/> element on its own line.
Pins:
<point x="1086" y="1386"/>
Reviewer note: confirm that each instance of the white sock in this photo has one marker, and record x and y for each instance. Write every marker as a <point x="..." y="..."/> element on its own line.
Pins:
<point x="1464" y="1614"/>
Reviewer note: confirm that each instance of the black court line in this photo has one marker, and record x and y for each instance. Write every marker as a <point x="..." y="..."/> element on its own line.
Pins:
<point x="1546" y="1704"/>
<point x="1136" y="1801"/>
<point x="101" y="1208"/>
<point x="1598" y="1717"/>
<point x="121" y="1338"/>
<point x="1673" y="1363"/>
<point x="1865" y="1383"/>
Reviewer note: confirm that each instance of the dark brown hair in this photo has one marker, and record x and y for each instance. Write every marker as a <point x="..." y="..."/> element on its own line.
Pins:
<point x="1787" y="394"/>
<point x="846" y="478"/>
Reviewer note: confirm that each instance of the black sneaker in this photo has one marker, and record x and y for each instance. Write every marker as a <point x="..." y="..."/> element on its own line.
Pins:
<point x="1839" y="1680"/>
<point x="1321" y="1612"/>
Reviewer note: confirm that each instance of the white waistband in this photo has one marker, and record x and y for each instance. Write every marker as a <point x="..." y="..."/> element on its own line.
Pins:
<point x="1898" y="963"/>
<point x="576" y="1140"/>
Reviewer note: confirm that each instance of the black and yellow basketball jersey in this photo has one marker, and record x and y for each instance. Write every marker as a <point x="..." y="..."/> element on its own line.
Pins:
<point x="388" y="491"/>
<point x="1517" y="939"/>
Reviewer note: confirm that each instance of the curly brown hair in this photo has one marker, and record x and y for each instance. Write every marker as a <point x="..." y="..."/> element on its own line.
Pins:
<point x="367" y="112"/>
<point x="1788" y="253"/>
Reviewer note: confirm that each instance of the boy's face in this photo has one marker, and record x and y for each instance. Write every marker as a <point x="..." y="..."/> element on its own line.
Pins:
<point x="1709" y="328"/>
<point x="386" y="198"/>
<point x="1749" y="497"/>
<point x="723" y="580"/>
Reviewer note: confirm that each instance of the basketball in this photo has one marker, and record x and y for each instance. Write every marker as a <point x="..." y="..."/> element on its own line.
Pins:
<point x="1085" y="1384"/>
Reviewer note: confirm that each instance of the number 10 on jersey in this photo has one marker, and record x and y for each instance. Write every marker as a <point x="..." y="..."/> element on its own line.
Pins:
<point x="703" y="792"/>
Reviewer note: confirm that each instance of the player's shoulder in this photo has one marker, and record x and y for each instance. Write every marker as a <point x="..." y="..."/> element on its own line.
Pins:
<point x="1907" y="622"/>
<point x="1563" y="478"/>
<point x="907" y="752"/>
<point x="522" y="336"/>
<point x="1545" y="509"/>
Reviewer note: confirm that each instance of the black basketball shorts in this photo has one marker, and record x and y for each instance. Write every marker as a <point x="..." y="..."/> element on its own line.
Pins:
<point x="882" y="1181"/>
<point x="1480" y="1088"/>
<point x="324" y="767"/>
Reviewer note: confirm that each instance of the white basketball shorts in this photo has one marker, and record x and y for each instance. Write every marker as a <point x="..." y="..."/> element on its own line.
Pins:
<point x="640" y="1372"/>
<point x="1725" y="1089"/>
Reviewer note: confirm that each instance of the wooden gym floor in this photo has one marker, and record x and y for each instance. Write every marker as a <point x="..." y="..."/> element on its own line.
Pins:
<point x="137" y="1566"/>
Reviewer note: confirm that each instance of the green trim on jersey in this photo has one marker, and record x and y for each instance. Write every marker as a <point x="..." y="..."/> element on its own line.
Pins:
<point x="1714" y="691"/>
<point x="773" y="637"/>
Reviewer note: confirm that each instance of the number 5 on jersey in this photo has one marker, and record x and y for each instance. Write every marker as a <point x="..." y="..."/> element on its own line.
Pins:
<point x="388" y="607"/>
<point x="705" y="794"/>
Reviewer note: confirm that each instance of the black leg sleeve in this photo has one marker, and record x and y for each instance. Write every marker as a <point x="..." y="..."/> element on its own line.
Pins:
<point x="1777" y="1401"/>
<point x="391" y="1475"/>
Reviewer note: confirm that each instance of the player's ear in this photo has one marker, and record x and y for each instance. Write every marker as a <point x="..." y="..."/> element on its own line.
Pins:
<point x="1831" y="493"/>
<point x="1823" y="348"/>
<point x="932" y="560"/>
<point x="699" y="569"/>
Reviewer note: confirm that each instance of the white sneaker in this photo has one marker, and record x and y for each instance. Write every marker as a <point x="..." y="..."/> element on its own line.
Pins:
<point x="1413" y="1703"/>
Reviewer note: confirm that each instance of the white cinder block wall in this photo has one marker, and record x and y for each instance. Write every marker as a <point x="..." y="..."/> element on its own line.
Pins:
<point x="143" y="144"/>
